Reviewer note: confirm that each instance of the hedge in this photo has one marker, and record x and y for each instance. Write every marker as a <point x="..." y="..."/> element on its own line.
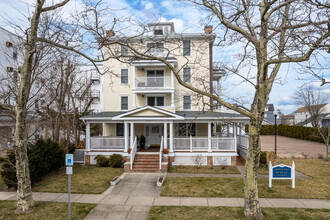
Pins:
<point x="299" y="132"/>
<point x="44" y="156"/>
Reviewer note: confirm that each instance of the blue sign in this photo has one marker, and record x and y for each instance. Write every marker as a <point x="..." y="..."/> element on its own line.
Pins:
<point x="69" y="159"/>
<point x="282" y="172"/>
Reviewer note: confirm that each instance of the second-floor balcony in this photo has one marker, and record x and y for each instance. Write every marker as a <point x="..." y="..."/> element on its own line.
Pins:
<point x="94" y="94"/>
<point x="153" y="82"/>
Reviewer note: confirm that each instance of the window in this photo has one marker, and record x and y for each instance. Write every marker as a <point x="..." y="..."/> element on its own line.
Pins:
<point x="187" y="129"/>
<point x="158" y="32"/>
<point x="124" y="102"/>
<point x="187" y="102"/>
<point x="124" y="50"/>
<point x="120" y="129"/>
<point x="186" y="47"/>
<point x="187" y="74"/>
<point x="124" y="76"/>
<point x="155" y="45"/>
<point x="15" y="53"/>
<point x="155" y="101"/>
<point x="155" y="78"/>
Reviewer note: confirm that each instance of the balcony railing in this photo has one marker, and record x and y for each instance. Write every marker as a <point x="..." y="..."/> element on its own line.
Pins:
<point x="94" y="94"/>
<point x="159" y="52"/>
<point x="153" y="82"/>
<point x="107" y="143"/>
<point x="95" y="77"/>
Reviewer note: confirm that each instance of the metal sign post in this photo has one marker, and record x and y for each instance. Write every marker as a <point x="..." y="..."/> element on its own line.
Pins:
<point x="69" y="171"/>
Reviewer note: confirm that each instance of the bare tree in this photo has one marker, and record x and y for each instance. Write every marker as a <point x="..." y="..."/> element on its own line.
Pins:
<point x="314" y="100"/>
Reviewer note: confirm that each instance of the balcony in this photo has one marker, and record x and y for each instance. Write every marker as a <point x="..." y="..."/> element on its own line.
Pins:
<point x="95" y="77"/>
<point x="158" y="83"/>
<point x="94" y="94"/>
<point x="159" y="52"/>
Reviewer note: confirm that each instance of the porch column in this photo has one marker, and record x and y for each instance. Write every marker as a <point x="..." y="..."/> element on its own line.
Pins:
<point x="134" y="102"/>
<point x="240" y="129"/>
<point x="234" y="129"/>
<point x="126" y="136"/>
<point x="103" y="129"/>
<point x="132" y="134"/>
<point x="171" y="137"/>
<point x="172" y="100"/>
<point x="88" y="131"/>
<point x="209" y="137"/>
<point x="133" y="78"/>
<point x="165" y="135"/>
<point x="172" y="79"/>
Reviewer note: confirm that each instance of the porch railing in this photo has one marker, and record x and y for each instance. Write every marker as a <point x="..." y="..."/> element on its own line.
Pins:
<point x="243" y="141"/>
<point x="153" y="82"/>
<point x="161" y="152"/>
<point x="133" y="152"/>
<point x="202" y="144"/>
<point x="107" y="143"/>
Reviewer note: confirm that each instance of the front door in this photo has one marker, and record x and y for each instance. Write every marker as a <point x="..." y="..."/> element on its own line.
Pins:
<point x="155" y="133"/>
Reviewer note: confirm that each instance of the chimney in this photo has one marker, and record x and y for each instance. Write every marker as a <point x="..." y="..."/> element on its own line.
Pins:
<point x="110" y="33"/>
<point x="208" y="29"/>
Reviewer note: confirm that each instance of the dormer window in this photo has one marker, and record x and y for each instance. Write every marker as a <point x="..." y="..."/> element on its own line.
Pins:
<point x="158" y="32"/>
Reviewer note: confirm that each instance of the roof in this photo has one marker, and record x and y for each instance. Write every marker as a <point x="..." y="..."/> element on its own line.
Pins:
<point x="304" y="109"/>
<point x="270" y="107"/>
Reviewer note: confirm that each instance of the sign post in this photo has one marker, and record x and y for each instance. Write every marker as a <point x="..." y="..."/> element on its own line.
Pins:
<point x="69" y="171"/>
<point x="282" y="172"/>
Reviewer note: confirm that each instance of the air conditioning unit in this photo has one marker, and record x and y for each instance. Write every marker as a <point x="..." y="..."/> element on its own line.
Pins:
<point x="10" y="69"/>
<point x="9" y="44"/>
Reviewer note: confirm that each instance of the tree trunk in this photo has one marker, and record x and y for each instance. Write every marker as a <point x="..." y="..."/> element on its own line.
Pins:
<point x="251" y="198"/>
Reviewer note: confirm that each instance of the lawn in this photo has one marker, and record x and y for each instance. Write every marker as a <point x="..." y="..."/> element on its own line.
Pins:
<point x="316" y="187"/>
<point x="209" y="213"/>
<point x="207" y="170"/>
<point x="46" y="210"/>
<point x="85" y="179"/>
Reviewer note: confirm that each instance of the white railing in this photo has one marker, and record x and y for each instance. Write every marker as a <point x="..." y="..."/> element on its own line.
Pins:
<point x="202" y="144"/>
<point x="161" y="152"/>
<point x="133" y="151"/>
<point x="223" y="144"/>
<point x="243" y="141"/>
<point x="153" y="82"/>
<point x="159" y="52"/>
<point x="107" y="143"/>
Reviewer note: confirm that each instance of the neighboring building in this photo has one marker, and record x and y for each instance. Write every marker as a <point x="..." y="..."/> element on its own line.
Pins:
<point x="269" y="114"/>
<point x="302" y="116"/>
<point x="146" y="100"/>
<point x="287" y="119"/>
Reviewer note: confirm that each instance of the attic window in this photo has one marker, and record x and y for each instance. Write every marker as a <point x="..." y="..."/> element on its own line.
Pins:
<point x="158" y="32"/>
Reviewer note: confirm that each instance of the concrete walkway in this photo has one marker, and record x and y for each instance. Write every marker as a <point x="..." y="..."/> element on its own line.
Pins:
<point x="133" y="197"/>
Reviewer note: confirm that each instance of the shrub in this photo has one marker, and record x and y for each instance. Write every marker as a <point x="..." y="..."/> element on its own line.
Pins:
<point x="2" y="159"/>
<point x="263" y="158"/>
<point x="44" y="156"/>
<point x="102" y="161"/>
<point x="165" y="151"/>
<point x="116" y="160"/>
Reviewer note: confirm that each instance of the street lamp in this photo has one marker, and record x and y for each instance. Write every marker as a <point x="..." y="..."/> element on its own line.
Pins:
<point x="275" y="115"/>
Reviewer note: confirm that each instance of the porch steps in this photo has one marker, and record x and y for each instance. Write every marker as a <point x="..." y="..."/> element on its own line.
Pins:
<point x="146" y="163"/>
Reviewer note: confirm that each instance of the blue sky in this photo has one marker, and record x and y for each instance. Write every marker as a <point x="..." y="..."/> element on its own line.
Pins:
<point x="188" y="19"/>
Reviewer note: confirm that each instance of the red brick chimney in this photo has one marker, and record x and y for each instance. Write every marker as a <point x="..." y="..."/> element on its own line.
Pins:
<point x="208" y="29"/>
<point x="110" y="33"/>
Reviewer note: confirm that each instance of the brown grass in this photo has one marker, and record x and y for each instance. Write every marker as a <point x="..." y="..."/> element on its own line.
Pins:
<point x="85" y="179"/>
<point x="1" y="180"/>
<point x="316" y="187"/>
<point x="204" y="170"/>
<point x="209" y="213"/>
<point x="45" y="210"/>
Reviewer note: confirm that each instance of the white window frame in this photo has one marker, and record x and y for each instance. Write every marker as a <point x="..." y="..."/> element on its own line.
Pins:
<point x="183" y="102"/>
<point x="121" y="46"/>
<point x="127" y="76"/>
<point x="121" y="103"/>
<point x="190" y="73"/>
<point x="156" y="95"/>
<point x="190" y="48"/>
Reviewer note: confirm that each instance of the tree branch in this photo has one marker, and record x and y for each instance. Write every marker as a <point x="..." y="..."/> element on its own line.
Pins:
<point x="53" y="7"/>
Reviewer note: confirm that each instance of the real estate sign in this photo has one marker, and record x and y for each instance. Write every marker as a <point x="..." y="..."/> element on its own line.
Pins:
<point x="281" y="172"/>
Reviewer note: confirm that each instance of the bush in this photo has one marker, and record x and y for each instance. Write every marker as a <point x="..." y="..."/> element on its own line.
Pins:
<point x="44" y="156"/>
<point x="116" y="161"/>
<point x="263" y="158"/>
<point x="2" y="159"/>
<point x="102" y="161"/>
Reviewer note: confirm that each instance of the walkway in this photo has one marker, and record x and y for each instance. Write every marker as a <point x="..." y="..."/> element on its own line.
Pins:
<point x="292" y="146"/>
<point x="133" y="197"/>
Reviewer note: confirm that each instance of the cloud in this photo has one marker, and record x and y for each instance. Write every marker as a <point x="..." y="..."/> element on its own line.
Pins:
<point x="178" y="23"/>
<point x="148" y="5"/>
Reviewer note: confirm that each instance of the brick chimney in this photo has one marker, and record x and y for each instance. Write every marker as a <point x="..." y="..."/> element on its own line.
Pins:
<point x="110" y="33"/>
<point x="208" y="29"/>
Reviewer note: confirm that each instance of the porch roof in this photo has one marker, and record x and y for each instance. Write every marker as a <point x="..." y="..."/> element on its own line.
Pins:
<point x="178" y="115"/>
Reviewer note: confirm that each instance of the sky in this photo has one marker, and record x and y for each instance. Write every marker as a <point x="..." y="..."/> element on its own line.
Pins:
<point x="187" y="18"/>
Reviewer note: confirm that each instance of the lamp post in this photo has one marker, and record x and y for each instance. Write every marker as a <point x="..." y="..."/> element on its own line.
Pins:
<point x="306" y="120"/>
<point x="275" y="115"/>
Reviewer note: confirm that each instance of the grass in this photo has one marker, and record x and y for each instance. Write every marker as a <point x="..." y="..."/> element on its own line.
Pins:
<point x="46" y="210"/>
<point x="316" y="187"/>
<point x="207" y="170"/>
<point x="209" y="213"/>
<point x="85" y="179"/>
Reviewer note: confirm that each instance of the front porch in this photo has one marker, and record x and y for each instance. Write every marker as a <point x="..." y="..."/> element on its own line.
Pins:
<point x="185" y="138"/>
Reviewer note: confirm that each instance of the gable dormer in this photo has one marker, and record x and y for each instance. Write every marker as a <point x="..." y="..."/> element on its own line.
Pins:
<point x="161" y="28"/>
